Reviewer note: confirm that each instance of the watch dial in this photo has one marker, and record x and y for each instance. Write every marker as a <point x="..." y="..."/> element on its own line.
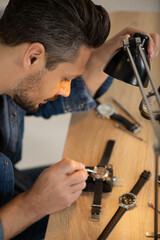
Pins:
<point x="127" y="199"/>
<point x="105" y="109"/>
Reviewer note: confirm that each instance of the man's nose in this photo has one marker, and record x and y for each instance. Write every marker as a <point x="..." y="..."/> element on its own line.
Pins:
<point x="65" y="89"/>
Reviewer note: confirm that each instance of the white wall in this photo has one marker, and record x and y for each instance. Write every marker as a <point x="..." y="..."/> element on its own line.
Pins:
<point x="130" y="5"/>
<point x="3" y="3"/>
<point x="120" y="5"/>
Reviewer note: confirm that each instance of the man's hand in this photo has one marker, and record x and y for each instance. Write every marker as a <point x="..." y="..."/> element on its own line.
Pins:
<point x="153" y="44"/>
<point x="59" y="186"/>
<point x="94" y="75"/>
<point x="56" y="188"/>
<point x="104" y="52"/>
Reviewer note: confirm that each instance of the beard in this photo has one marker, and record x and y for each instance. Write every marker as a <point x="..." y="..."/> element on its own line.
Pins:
<point x="25" y="104"/>
<point x="26" y="91"/>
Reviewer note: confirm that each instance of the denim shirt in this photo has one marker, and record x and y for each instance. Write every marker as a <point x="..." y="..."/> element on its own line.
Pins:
<point x="12" y="127"/>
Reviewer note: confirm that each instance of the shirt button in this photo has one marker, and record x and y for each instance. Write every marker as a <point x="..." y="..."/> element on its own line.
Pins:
<point x="6" y="162"/>
<point x="81" y="106"/>
<point x="13" y="115"/>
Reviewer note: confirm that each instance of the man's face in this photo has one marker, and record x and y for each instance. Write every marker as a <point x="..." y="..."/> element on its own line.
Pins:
<point x="44" y="85"/>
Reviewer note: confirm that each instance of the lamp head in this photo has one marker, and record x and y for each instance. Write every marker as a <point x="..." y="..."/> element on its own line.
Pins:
<point x="119" y="65"/>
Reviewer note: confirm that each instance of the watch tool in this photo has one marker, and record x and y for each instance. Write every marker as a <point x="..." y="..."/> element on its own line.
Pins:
<point x="126" y="201"/>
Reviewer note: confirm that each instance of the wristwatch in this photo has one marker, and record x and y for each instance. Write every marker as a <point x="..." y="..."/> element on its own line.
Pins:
<point x="126" y="201"/>
<point x="100" y="174"/>
<point x="108" y="111"/>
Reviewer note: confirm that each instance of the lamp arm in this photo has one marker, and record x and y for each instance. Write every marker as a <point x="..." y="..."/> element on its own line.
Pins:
<point x="156" y="129"/>
<point x="150" y="75"/>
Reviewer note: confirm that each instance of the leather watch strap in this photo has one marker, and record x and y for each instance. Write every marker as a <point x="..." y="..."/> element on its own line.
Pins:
<point x="119" y="213"/>
<point x="116" y="217"/>
<point x="107" y="153"/>
<point x="98" y="188"/>
<point x="141" y="181"/>
<point x="129" y="125"/>
<point x="96" y="206"/>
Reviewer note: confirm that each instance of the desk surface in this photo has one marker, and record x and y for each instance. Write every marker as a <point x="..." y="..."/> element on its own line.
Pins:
<point x="86" y="141"/>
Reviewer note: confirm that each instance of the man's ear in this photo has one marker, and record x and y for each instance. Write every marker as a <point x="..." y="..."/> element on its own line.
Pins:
<point x="34" y="55"/>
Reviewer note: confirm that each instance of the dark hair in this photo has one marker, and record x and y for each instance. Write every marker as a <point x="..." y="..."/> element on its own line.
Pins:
<point x="62" y="26"/>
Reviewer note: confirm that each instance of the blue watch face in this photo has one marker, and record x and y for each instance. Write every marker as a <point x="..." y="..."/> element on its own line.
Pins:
<point x="127" y="200"/>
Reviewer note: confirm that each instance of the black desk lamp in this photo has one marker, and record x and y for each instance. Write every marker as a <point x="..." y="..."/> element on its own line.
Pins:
<point x="120" y="67"/>
<point x="130" y="64"/>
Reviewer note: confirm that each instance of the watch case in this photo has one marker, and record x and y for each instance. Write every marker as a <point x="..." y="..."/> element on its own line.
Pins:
<point x="107" y="182"/>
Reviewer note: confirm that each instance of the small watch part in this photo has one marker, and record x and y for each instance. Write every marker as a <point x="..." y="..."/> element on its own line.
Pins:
<point x="151" y="235"/>
<point x="152" y="206"/>
<point x="116" y="181"/>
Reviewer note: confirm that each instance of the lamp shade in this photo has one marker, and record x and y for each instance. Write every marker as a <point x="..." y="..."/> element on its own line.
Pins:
<point x="119" y="65"/>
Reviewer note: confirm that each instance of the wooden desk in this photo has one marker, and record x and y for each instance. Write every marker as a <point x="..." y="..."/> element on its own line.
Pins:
<point x="86" y="141"/>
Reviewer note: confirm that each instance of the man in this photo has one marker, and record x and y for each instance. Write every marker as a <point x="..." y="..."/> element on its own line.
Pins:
<point x="45" y="45"/>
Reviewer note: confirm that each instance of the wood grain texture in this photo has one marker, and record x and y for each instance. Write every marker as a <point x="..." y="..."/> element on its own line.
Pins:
<point x="86" y="140"/>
